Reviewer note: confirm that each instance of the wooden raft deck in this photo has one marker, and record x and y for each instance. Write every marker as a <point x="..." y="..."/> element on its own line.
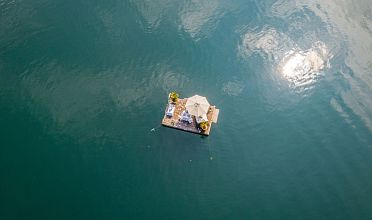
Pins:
<point x="175" y="122"/>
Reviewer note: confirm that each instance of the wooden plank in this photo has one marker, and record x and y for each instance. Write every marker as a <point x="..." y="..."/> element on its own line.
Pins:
<point x="215" y="115"/>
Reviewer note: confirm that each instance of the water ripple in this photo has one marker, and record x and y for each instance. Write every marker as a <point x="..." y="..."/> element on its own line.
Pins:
<point x="266" y="41"/>
<point x="302" y="68"/>
<point x="299" y="67"/>
<point x="18" y="22"/>
<point x="154" y="11"/>
<point x="233" y="88"/>
<point x="197" y="14"/>
<point x="304" y="53"/>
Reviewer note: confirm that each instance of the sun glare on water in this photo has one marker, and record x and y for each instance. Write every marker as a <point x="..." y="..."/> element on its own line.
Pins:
<point x="301" y="68"/>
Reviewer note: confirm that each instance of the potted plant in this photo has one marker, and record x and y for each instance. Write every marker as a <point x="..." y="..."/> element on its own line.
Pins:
<point x="203" y="125"/>
<point x="173" y="96"/>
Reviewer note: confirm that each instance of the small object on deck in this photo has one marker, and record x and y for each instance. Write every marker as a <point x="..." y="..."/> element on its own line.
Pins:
<point x="193" y="114"/>
<point x="185" y="116"/>
<point x="170" y="110"/>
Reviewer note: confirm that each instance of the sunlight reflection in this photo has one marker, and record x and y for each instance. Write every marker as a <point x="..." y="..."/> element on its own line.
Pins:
<point x="303" y="67"/>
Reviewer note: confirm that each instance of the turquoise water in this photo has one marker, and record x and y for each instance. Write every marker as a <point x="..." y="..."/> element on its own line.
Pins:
<point x="82" y="83"/>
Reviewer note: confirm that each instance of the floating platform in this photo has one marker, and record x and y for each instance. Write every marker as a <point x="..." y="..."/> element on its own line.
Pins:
<point x="175" y="122"/>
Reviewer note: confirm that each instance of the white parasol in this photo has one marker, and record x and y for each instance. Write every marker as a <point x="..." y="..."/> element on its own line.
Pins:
<point x="197" y="105"/>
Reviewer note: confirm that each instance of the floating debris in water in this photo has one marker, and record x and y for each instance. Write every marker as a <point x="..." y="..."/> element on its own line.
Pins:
<point x="152" y="130"/>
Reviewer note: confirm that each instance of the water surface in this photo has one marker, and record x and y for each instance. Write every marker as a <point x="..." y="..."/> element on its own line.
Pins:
<point x="83" y="83"/>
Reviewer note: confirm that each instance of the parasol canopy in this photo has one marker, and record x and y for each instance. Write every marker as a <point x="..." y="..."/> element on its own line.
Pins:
<point x="197" y="105"/>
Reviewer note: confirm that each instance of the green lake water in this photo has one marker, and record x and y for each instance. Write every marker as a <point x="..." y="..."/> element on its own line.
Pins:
<point x="83" y="83"/>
